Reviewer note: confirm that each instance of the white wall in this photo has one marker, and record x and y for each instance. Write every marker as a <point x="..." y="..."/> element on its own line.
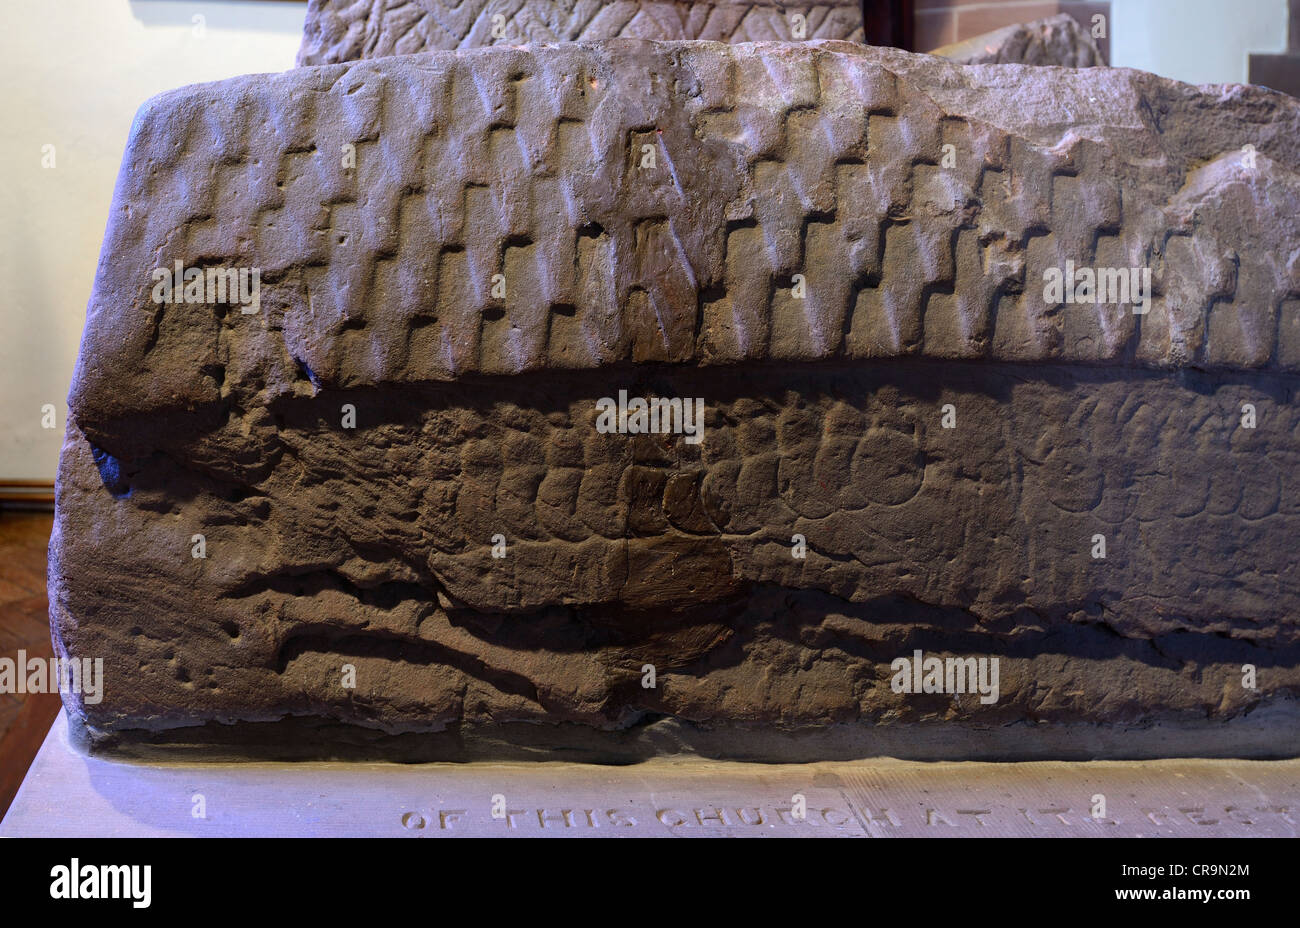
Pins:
<point x="1198" y="41"/>
<point x="75" y="73"/>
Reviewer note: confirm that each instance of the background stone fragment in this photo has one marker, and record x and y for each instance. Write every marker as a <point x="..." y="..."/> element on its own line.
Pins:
<point x="350" y="30"/>
<point x="1056" y="40"/>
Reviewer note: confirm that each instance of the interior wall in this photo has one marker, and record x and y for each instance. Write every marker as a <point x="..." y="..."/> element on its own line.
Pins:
<point x="1198" y="41"/>
<point x="75" y="73"/>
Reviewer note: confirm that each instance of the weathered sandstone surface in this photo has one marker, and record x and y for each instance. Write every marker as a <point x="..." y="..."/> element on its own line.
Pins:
<point x="349" y="30"/>
<point x="840" y="250"/>
<point x="1056" y="40"/>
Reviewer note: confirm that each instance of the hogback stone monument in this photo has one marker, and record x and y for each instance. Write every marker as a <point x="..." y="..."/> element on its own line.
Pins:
<point x="784" y="400"/>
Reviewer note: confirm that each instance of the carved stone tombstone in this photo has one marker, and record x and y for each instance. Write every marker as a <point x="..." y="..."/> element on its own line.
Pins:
<point x="639" y="397"/>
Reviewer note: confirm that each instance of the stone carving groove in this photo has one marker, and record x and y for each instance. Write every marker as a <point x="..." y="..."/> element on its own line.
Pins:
<point x="476" y="411"/>
<point x="348" y="30"/>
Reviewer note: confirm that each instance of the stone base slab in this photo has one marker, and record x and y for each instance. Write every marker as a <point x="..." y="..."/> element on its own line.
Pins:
<point x="67" y="794"/>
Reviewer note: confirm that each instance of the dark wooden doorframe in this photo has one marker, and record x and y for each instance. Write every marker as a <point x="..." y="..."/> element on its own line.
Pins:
<point x="889" y="23"/>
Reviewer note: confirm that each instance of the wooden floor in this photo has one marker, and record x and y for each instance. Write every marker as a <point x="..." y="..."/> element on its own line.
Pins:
<point x="24" y="625"/>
